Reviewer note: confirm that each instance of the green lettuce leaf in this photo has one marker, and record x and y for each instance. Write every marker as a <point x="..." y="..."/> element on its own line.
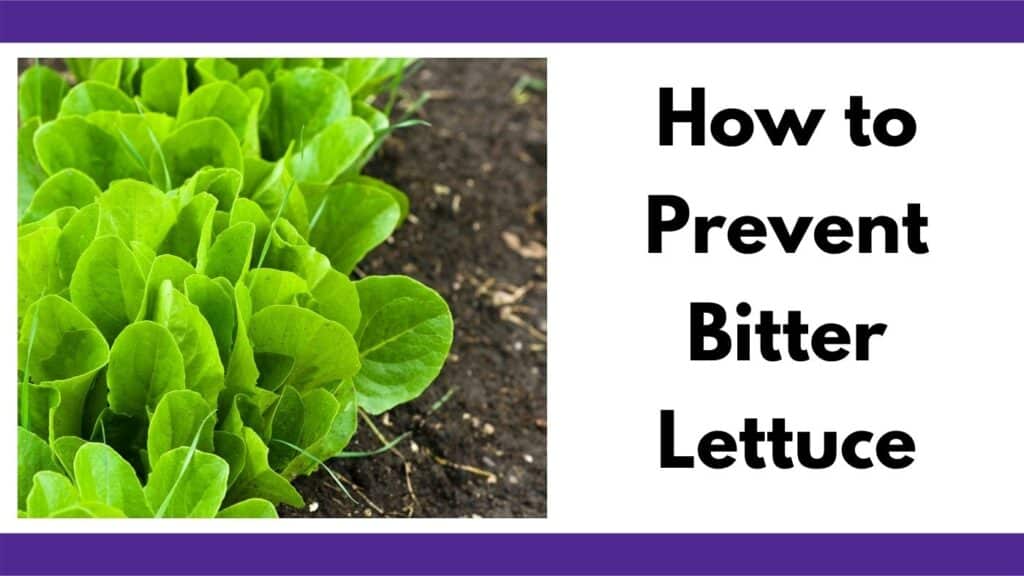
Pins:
<point x="107" y="285"/>
<point x="40" y="91"/>
<point x="145" y="364"/>
<point x="404" y="337"/>
<point x="103" y="476"/>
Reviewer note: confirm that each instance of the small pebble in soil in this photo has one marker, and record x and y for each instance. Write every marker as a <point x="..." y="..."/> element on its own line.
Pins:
<point x="414" y="446"/>
<point x="476" y="226"/>
<point x="517" y="346"/>
<point x="314" y="506"/>
<point x="513" y="480"/>
<point x="528" y="458"/>
<point x="488" y="429"/>
<point x="456" y="203"/>
<point x="442" y="190"/>
<point x="488" y="462"/>
<point x="541" y="423"/>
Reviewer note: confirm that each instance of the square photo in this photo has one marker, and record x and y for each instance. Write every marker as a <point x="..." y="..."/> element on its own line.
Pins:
<point x="282" y="287"/>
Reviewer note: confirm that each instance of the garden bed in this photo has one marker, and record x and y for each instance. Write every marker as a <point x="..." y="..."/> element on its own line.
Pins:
<point x="477" y="185"/>
<point x="474" y="444"/>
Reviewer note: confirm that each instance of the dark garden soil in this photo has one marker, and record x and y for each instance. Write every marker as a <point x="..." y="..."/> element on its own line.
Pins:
<point x="477" y="184"/>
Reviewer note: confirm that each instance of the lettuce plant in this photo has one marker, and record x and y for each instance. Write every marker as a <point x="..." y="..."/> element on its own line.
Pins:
<point x="190" y="339"/>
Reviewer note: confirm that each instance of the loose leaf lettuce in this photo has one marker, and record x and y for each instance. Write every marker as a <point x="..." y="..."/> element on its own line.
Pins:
<point x="40" y="92"/>
<point x="181" y="419"/>
<point x="315" y="350"/>
<point x="90" y="97"/>
<point x="189" y="338"/>
<point x="165" y="85"/>
<point x="187" y="483"/>
<point x="61" y="348"/>
<point x="332" y="151"/>
<point x="231" y="252"/>
<point x="34" y="456"/>
<point x="303" y="101"/>
<point x="107" y="285"/>
<point x="404" y="338"/>
<point x="30" y="171"/>
<point x="103" y="476"/>
<point x="214" y="69"/>
<point x="145" y="364"/>
<point x="197" y="144"/>
<point x="329" y="422"/>
<point x="139" y="134"/>
<point x="38" y="274"/>
<point x="251" y="508"/>
<point x="76" y="235"/>
<point x="75" y="143"/>
<point x="51" y="493"/>
<point x="204" y="372"/>
<point x="190" y="237"/>
<point x="352" y="221"/>
<point x="214" y="298"/>
<point x="136" y="211"/>
<point x="258" y="480"/>
<point x="65" y="188"/>
<point x="228" y="102"/>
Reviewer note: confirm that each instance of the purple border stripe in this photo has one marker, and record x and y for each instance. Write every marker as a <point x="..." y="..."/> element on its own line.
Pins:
<point x="488" y="554"/>
<point x="513" y="21"/>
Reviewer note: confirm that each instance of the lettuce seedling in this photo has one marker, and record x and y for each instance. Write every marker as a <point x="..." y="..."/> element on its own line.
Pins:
<point x="190" y="340"/>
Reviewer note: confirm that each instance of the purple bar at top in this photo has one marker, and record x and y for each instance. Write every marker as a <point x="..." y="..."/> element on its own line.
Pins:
<point x="487" y="554"/>
<point x="513" y="21"/>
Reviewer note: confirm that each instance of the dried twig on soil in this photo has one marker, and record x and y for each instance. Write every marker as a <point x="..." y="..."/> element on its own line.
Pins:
<point x="390" y="446"/>
<point x="531" y="250"/>
<point x="359" y="491"/>
<point x="508" y="314"/>
<point x="502" y="298"/>
<point x="407" y="467"/>
<point x="491" y="477"/>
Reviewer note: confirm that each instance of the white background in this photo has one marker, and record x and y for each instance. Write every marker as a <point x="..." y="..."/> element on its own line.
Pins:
<point x="947" y="370"/>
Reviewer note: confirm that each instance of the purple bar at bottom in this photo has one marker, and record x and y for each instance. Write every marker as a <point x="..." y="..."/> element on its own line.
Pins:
<point x="555" y="554"/>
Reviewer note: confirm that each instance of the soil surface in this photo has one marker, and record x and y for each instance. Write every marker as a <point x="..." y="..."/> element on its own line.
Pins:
<point x="476" y="180"/>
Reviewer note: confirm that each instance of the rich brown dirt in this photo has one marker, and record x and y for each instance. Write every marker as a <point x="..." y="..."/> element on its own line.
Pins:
<point x="475" y="178"/>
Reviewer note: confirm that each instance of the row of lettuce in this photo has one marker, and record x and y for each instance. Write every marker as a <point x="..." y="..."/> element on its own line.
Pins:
<point x="189" y="338"/>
